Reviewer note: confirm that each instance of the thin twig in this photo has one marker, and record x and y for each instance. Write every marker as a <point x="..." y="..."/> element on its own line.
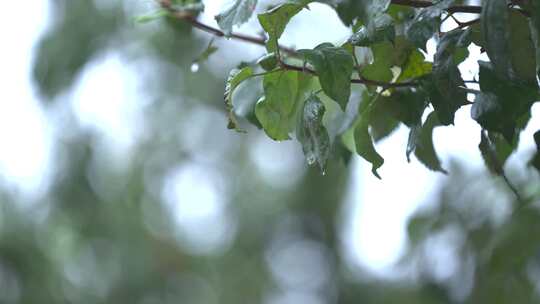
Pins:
<point x="217" y="32"/>
<point x="259" y="41"/>
<point x="360" y="80"/>
<point x="473" y="9"/>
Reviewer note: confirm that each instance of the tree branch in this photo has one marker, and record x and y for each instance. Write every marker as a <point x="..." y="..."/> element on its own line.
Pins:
<point x="473" y="9"/>
<point x="261" y="41"/>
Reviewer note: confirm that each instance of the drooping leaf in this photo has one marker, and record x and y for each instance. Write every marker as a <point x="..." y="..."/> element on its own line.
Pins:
<point x="239" y="12"/>
<point x="276" y="110"/>
<point x="275" y="20"/>
<point x="522" y="51"/>
<point x="489" y="154"/>
<point x="534" y="25"/>
<point x="510" y="100"/>
<point x="421" y="142"/>
<point x="334" y="66"/>
<point x="488" y="112"/>
<point x="366" y="149"/>
<point x="446" y="86"/>
<point x="363" y="140"/>
<point x="312" y="134"/>
<point x="382" y="29"/>
<point x="495" y="33"/>
<point x="236" y="77"/>
<point x="426" y="23"/>
<point x="365" y="11"/>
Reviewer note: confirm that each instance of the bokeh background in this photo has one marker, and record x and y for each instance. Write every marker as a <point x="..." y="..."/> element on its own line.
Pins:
<point x="121" y="184"/>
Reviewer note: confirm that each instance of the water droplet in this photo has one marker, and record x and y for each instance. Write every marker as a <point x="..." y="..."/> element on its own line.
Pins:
<point x="195" y="67"/>
<point x="310" y="159"/>
<point x="323" y="172"/>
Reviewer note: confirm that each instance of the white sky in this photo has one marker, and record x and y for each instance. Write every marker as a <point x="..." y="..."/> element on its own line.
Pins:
<point x="378" y="206"/>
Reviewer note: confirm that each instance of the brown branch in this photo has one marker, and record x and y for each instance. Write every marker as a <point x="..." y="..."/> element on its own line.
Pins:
<point x="214" y="31"/>
<point x="361" y="80"/>
<point x="260" y="41"/>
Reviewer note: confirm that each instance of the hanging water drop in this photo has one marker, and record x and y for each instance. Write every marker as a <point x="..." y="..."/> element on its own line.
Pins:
<point x="195" y="67"/>
<point x="310" y="159"/>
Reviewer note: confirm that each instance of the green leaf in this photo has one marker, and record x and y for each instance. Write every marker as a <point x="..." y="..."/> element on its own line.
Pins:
<point x="236" y="77"/>
<point x="426" y="23"/>
<point x="522" y="50"/>
<point x="312" y="134"/>
<point x="364" y="142"/>
<point x="268" y="62"/>
<point x="239" y="12"/>
<point x="382" y="29"/>
<point x="488" y="112"/>
<point x="404" y="105"/>
<point x="445" y="88"/>
<point x="334" y="66"/>
<point x="387" y="55"/>
<point x="534" y="25"/>
<point x="275" y="20"/>
<point x="365" y="10"/>
<point x="421" y="142"/>
<point x="415" y="66"/>
<point x="276" y="110"/>
<point x="513" y="99"/>
<point x="381" y="123"/>
<point x="494" y="25"/>
<point x="489" y="154"/>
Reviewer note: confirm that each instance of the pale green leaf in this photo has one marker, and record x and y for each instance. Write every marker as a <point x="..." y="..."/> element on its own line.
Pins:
<point x="239" y="12"/>
<point x="236" y="77"/>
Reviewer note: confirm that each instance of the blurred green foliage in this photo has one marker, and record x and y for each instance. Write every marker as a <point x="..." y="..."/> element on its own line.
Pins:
<point x="105" y="234"/>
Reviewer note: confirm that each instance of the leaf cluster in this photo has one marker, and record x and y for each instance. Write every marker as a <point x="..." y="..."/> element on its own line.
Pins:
<point x="330" y="99"/>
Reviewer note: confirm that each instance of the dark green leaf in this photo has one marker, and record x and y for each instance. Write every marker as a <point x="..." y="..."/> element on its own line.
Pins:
<point x="513" y="99"/>
<point x="426" y="23"/>
<point x="236" y="76"/>
<point x="522" y="51"/>
<point x="239" y="12"/>
<point x="404" y="105"/>
<point x="421" y="142"/>
<point x="334" y="66"/>
<point x="445" y="92"/>
<point x="382" y="29"/>
<point x="365" y="10"/>
<point x="488" y="112"/>
<point x="312" y="134"/>
<point x="495" y="33"/>
<point x="535" y="34"/>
